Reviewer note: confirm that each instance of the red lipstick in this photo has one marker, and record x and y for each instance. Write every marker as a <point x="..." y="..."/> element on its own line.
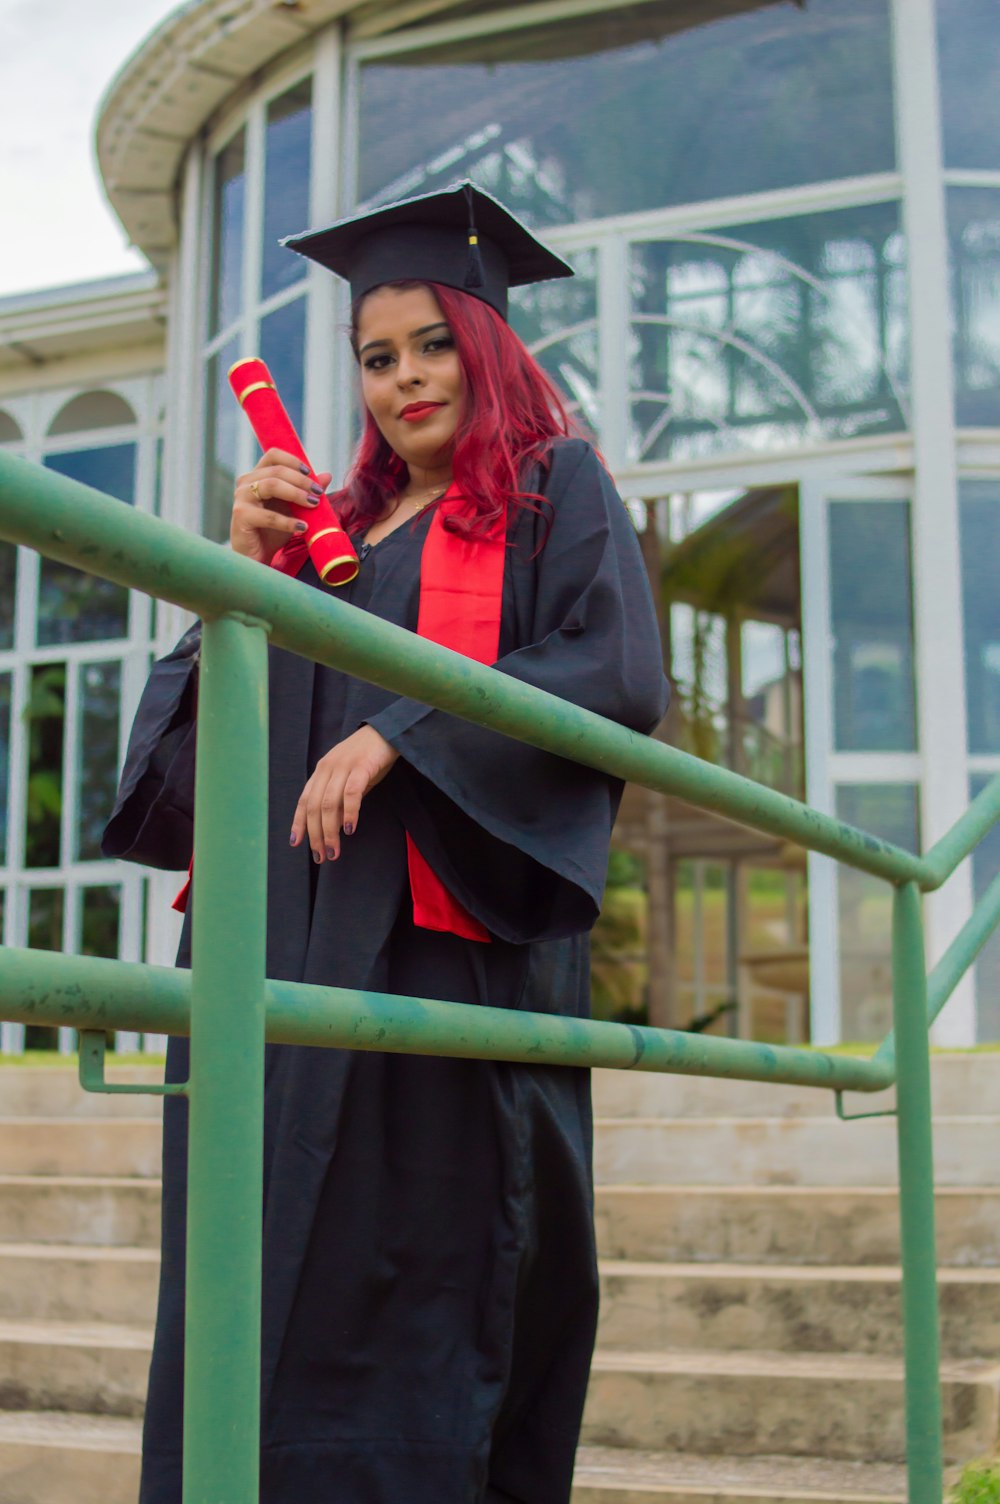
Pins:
<point x="414" y="411"/>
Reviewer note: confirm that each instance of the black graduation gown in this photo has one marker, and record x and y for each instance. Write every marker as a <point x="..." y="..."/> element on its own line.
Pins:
<point x="430" y="1289"/>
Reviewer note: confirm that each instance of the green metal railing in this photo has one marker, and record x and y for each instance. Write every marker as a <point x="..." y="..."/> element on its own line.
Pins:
<point x="229" y="1007"/>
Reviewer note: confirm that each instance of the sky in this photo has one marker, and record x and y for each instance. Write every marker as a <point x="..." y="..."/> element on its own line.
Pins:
<point x="59" y="58"/>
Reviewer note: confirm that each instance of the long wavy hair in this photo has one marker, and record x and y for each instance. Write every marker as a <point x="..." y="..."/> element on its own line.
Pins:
<point x="511" y="414"/>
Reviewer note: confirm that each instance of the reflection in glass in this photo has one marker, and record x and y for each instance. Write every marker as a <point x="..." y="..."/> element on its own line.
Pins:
<point x="287" y="156"/>
<point x="221" y="443"/>
<point x="635" y="108"/>
<point x="558" y="323"/>
<point x="100" y="921"/>
<point x="871" y="607"/>
<point x="97" y="775"/>
<point x="767" y="334"/>
<point x="985" y="866"/>
<point x="8" y="576"/>
<point x="5" y="691"/>
<point x="227" y="236"/>
<point x="283" y="350"/>
<point x="44" y="715"/>
<point x="979" y="511"/>
<point x="974" y="235"/>
<point x="969" y="53"/>
<point x="78" y="607"/>
<point x="889" y="811"/>
<point x="45" y="932"/>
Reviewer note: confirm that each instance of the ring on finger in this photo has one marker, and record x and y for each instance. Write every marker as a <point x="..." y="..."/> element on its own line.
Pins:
<point x="256" y="490"/>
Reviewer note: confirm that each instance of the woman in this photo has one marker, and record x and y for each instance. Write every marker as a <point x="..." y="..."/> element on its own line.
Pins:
<point x="430" y="1287"/>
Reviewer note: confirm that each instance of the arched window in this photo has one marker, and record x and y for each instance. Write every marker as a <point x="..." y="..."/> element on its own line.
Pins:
<point x="91" y="410"/>
<point x="10" y="431"/>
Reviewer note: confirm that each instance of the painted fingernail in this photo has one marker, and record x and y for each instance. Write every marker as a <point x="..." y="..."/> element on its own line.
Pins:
<point x="293" y="839"/>
<point x="349" y="829"/>
<point x="316" y="488"/>
<point x="331" y="855"/>
<point x="300" y="527"/>
<point x="317" y="858"/>
<point x="304" y="469"/>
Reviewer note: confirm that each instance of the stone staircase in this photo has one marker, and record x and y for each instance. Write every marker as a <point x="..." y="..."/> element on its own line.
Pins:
<point x="750" y="1340"/>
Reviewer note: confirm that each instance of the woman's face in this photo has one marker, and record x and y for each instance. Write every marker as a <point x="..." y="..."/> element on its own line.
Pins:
<point x="411" y="377"/>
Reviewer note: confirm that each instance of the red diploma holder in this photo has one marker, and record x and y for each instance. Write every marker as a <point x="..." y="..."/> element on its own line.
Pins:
<point x="329" y="547"/>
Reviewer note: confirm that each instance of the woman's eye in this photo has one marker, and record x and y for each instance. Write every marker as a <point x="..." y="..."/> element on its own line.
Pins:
<point x="444" y="343"/>
<point x="376" y="362"/>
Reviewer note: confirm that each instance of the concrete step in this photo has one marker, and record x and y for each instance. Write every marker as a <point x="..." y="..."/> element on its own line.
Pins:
<point x="785" y="1151"/>
<point x="609" y="1475"/>
<point x="787" y="1225"/>
<point x="961" y="1083"/>
<point x="64" y="1282"/>
<point x="61" y="1458"/>
<point x="720" y="1307"/>
<point x="105" y="1211"/>
<point x="55" y="1092"/>
<point x="68" y="1146"/>
<point x="830" y="1405"/>
<point x="92" y="1367"/>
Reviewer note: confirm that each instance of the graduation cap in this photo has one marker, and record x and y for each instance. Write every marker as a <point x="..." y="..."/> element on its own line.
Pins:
<point x="461" y="237"/>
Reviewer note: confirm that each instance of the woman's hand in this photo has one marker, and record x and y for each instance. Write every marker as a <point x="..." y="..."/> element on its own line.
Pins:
<point x="260" y="522"/>
<point x="332" y="798"/>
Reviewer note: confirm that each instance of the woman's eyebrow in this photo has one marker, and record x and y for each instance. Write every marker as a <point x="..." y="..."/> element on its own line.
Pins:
<point x="414" y="334"/>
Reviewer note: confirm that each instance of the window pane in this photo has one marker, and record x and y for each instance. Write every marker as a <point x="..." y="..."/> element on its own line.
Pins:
<point x="5" y="691"/>
<point x="98" y="772"/>
<point x="46" y="705"/>
<point x="286" y="185"/>
<point x="890" y="812"/>
<point x="985" y="866"/>
<point x="100" y="921"/>
<point x="78" y="607"/>
<point x="558" y="323"/>
<point x="8" y="578"/>
<point x="283" y="350"/>
<point x="979" y="503"/>
<point x="92" y="410"/>
<point x="764" y="335"/>
<point x="969" y="49"/>
<point x="45" y="932"/>
<point x="635" y="108"/>
<point x="874" y="703"/>
<point x="221" y="442"/>
<point x="974" y="234"/>
<point x="227" y="236"/>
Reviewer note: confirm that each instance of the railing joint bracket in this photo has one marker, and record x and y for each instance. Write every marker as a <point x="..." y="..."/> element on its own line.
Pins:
<point x="854" y="1117"/>
<point x="93" y="1048"/>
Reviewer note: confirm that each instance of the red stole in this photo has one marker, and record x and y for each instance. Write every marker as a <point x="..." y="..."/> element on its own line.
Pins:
<point x="461" y="595"/>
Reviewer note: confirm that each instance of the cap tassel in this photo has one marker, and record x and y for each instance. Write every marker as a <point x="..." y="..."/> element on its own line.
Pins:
<point x="475" y="275"/>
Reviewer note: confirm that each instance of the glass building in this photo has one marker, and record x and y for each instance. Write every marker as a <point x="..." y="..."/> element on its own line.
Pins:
<point x="784" y="334"/>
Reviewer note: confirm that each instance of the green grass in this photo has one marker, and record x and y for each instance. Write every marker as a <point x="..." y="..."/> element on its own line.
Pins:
<point x="979" y="1483"/>
<point x="52" y="1057"/>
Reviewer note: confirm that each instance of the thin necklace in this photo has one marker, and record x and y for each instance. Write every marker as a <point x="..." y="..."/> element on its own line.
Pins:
<point x="418" y="506"/>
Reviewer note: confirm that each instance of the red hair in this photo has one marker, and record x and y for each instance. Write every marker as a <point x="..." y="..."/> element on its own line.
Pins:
<point x="512" y="413"/>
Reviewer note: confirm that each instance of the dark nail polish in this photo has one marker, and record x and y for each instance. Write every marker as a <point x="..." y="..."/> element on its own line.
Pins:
<point x="316" y="489"/>
<point x="300" y="527"/>
<point x="348" y="829"/>
<point x="304" y="469"/>
<point x="317" y="858"/>
<point x="293" y="839"/>
<point x="331" y="855"/>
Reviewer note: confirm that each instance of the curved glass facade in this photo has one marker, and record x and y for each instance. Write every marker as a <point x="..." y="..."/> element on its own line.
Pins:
<point x="751" y="339"/>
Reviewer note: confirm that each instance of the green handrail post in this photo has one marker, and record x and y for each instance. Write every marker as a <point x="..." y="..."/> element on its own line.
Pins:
<point x="921" y="1336"/>
<point x="226" y="1088"/>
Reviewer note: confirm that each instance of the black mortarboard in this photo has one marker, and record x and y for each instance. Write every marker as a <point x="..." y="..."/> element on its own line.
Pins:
<point x="462" y="237"/>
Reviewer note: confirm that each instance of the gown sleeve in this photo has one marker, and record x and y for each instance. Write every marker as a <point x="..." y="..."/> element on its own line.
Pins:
<point x="519" y="835"/>
<point x="153" y="818"/>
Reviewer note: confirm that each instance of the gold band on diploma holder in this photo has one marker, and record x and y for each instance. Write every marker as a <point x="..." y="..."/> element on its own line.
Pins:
<point x="256" y="386"/>
<point x="343" y="559"/>
<point x="324" y="532"/>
